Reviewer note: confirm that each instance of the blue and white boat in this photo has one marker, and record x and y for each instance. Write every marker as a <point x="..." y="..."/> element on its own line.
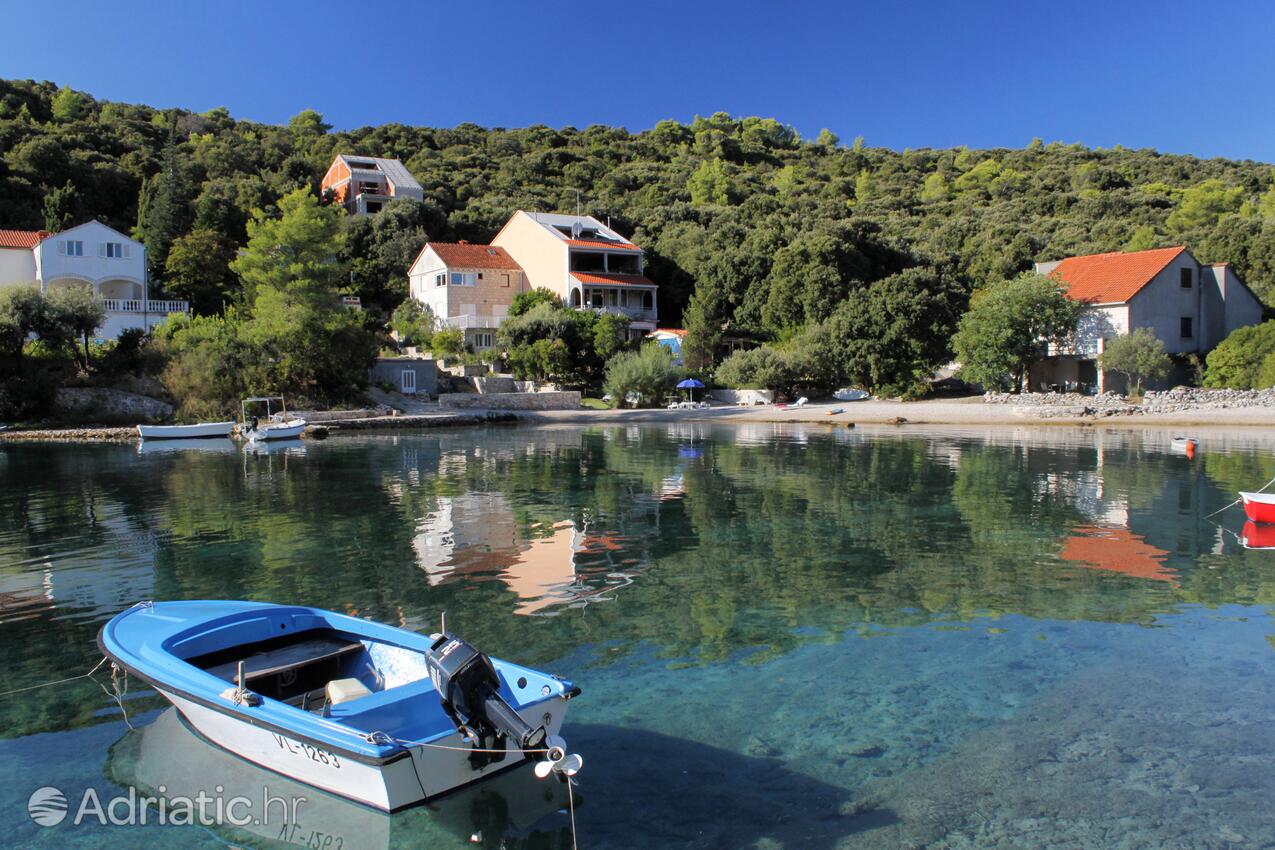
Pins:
<point x="380" y="715"/>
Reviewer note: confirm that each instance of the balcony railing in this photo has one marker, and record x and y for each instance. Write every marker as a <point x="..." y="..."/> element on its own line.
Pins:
<point x="636" y="314"/>
<point x="138" y="305"/>
<point x="471" y="322"/>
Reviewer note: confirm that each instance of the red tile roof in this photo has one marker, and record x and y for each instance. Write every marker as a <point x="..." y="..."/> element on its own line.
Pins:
<point x="614" y="246"/>
<point x="1112" y="278"/>
<point x="22" y="238"/>
<point x="464" y="255"/>
<point x="673" y="331"/>
<point x="612" y="279"/>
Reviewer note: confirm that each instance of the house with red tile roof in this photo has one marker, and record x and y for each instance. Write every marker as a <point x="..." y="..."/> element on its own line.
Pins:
<point x="585" y="262"/>
<point x="1190" y="307"/>
<point x="91" y="256"/>
<point x="465" y="286"/>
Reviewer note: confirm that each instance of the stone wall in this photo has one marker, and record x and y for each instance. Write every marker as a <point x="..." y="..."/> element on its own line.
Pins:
<point x="748" y="397"/>
<point x="1176" y="400"/>
<point x="566" y="400"/>
<point x="97" y="404"/>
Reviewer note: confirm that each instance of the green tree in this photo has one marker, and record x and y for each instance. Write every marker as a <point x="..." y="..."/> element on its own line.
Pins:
<point x="198" y="270"/>
<point x="309" y="343"/>
<point x="1238" y="361"/>
<point x="68" y="106"/>
<point x="1008" y="326"/>
<point x="60" y="207"/>
<point x="165" y="211"/>
<point x="703" y="320"/>
<point x="79" y="311"/>
<point x="414" y="324"/>
<point x="1143" y="238"/>
<point x="610" y="336"/>
<point x="1139" y="356"/>
<point x="523" y="302"/>
<point x="1203" y="204"/>
<point x="709" y="184"/>
<point x="649" y="372"/>
<point x="893" y="334"/>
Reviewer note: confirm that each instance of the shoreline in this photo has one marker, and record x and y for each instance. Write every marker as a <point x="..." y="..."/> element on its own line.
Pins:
<point x="902" y="414"/>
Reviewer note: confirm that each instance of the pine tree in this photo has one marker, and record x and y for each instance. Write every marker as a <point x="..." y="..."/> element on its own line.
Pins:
<point x="165" y="208"/>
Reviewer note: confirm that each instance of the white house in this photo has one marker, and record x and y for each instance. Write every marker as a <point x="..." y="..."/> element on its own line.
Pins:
<point x="1191" y="308"/>
<point x="589" y="265"/>
<point x="92" y="255"/>
<point x="466" y="286"/>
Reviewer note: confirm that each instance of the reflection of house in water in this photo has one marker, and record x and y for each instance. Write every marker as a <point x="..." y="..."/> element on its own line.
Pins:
<point x="1117" y="550"/>
<point x="474" y="537"/>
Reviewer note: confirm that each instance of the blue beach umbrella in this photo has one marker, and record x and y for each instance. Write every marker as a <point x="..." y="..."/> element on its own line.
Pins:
<point x="692" y="385"/>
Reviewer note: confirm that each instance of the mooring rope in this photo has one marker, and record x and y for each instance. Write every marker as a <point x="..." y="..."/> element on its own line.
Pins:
<point x="571" y="807"/>
<point x="1261" y="489"/>
<point x="88" y="675"/>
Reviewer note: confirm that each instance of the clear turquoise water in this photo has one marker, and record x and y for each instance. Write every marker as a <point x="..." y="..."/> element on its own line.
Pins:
<point x="787" y="637"/>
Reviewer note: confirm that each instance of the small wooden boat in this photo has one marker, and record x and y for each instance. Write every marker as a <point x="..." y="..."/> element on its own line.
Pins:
<point x="1257" y="536"/>
<point x="1184" y="446"/>
<point x="1259" y="507"/>
<point x="849" y="394"/>
<point x="276" y="426"/>
<point x="200" y="431"/>
<point x="379" y="715"/>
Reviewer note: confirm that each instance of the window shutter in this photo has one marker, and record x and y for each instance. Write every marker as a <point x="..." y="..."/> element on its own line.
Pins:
<point x="101" y="249"/>
<point x="62" y="247"/>
<point x="127" y="251"/>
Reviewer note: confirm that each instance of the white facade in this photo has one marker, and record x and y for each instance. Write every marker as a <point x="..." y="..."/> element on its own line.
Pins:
<point x="472" y="288"/>
<point x="101" y="258"/>
<point x="17" y="265"/>
<point x="1190" y="307"/>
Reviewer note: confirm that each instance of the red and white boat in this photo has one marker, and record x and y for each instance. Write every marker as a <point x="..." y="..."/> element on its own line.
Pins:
<point x="1255" y="536"/>
<point x="1259" y="507"/>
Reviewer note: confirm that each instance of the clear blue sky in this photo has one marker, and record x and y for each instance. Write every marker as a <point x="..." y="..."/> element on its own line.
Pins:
<point x="1181" y="77"/>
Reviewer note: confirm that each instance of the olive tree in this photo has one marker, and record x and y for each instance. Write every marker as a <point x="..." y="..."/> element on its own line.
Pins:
<point x="1139" y="356"/>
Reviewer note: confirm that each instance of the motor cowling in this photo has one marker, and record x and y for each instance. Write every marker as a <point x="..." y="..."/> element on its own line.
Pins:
<point x="470" y="689"/>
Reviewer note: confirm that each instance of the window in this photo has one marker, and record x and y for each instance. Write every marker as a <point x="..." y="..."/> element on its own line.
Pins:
<point x="480" y="275"/>
<point x="1186" y="327"/>
<point x="115" y="250"/>
<point x="483" y="340"/>
<point x="440" y="280"/>
<point x="1185" y="278"/>
<point x="464" y="279"/>
<point x="504" y="280"/>
<point x="648" y="301"/>
<point x="72" y="248"/>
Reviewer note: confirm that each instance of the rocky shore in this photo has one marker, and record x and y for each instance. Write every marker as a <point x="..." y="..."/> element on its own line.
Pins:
<point x="1179" y="400"/>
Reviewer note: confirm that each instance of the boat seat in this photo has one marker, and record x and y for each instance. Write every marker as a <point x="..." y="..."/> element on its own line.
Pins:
<point x="344" y="690"/>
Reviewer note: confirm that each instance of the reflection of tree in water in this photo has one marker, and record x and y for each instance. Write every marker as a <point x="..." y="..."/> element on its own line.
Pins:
<point x="731" y="547"/>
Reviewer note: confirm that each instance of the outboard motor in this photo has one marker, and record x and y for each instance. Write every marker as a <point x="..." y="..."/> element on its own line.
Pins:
<point x="466" y="680"/>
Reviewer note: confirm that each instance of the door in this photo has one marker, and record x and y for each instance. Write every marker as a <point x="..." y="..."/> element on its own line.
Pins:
<point x="407" y="379"/>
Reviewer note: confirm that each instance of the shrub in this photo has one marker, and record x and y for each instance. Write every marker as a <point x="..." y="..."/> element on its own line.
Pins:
<point x="649" y="371"/>
<point x="1239" y="360"/>
<point x="448" y="342"/>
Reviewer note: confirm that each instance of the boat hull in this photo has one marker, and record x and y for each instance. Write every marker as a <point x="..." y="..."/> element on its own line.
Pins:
<point x="285" y="431"/>
<point x="1259" y="507"/>
<point x="202" y="431"/>
<point x="421" y="773"/>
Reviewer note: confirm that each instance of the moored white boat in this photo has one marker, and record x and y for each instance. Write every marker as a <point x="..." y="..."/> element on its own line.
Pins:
<point x="347" y="705"/>
<point x="199" y="431"/>
<point x="275" y="426"/>
<point x="1184" y="446"/>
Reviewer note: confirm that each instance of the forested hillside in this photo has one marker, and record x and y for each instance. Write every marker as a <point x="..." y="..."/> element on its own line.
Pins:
<point x="773" y="231"/>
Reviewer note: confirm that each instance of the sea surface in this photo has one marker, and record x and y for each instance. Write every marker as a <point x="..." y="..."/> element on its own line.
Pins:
<point x="786" y="636"/>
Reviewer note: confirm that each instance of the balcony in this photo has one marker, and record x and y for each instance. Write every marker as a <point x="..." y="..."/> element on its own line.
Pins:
<point x="471" y="322"/>
<point x="139" y="305"/>
<point x="633" y="314"/>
